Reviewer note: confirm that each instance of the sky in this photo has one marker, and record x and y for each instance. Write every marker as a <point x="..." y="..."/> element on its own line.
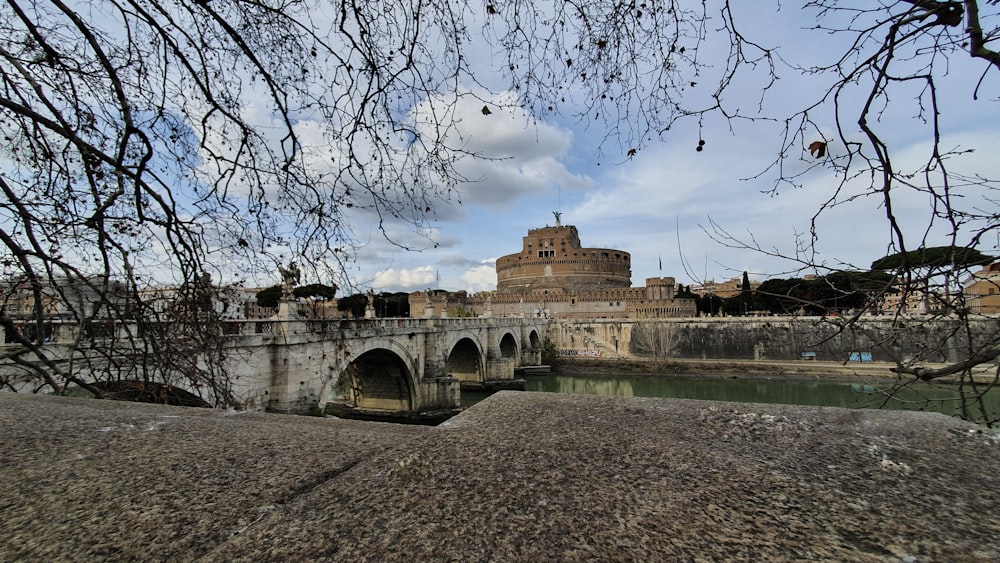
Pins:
<point x="663" y="203"/>
<point x="680" y="212"/>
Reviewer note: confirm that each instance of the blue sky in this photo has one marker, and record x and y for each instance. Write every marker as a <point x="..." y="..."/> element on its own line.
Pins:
<point x="693" y="212"/>
<point x="663" y="203"/>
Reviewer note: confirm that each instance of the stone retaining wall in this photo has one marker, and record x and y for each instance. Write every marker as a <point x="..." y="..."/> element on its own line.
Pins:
<point x="774" y="338"/>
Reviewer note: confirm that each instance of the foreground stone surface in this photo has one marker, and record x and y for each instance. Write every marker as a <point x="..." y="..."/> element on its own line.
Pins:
<point x="518" y="477"/>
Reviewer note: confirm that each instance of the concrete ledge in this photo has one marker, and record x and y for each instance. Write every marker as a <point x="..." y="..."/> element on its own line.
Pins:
<point x="517" y="477"/>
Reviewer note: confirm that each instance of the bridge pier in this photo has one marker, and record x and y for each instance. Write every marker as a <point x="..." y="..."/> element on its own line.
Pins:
<point x="500" y="374"/>
<point x="293" y="387"/>
<point x="531" y="357"/>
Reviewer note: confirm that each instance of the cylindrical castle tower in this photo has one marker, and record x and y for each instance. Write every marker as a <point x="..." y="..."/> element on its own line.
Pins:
<point x="552" y="259"/>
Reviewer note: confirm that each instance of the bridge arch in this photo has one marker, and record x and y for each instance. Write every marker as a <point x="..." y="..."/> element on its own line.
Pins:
<point x="509" y="347"/>
<point x="533" y="340"/>
<point x="465" y="360"/>
<point x="378" y="380"/>
<point x="381" y="377"/>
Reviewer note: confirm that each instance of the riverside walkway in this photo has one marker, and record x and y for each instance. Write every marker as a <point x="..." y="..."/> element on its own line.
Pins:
<point x="517" y="477"/>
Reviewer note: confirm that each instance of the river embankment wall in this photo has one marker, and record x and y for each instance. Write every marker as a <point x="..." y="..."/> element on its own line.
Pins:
<point x="875" y="339"/>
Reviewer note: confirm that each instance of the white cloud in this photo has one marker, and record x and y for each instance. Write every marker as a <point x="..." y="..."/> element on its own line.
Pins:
<point x="405" y="279"/>
<point x="397" y="240"/>
<point x="458" y="261"/>
<point x="480" y="278"/>
<point x="510" y="155"/>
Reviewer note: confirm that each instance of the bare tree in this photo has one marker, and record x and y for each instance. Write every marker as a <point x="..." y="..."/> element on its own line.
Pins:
<point x="154" y="141"/>
<point x="146" y="137"/>
<point x="901" y="55"/>
<point x="897" y="59"/>
<point x="883" y="68"/>
<point x="653" y="339"/>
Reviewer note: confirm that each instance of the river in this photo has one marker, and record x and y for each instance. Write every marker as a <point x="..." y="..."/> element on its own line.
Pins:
<point x="937" y="398"/>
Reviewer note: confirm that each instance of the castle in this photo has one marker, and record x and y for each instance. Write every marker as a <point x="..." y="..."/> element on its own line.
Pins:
<point x="555" y="276"/>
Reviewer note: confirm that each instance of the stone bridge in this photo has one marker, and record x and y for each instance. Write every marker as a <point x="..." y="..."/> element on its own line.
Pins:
<point x="386" y="367"/>
<point x="393" y="367"/>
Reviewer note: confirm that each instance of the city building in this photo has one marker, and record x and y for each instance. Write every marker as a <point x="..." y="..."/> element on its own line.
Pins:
<point x="982" y="290"/>
<point x="726" y="289"/>
<point x="554" y="275"/>
<point x="552" y="260"/>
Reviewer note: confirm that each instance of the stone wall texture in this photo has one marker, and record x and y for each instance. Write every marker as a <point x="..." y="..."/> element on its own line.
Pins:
<point x="517" y="477"/>
<point x="775" y="338"/>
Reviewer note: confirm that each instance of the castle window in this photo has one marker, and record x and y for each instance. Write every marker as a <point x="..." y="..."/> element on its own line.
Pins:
<point x="546" y="253"/>
<point x="604" y="255"/>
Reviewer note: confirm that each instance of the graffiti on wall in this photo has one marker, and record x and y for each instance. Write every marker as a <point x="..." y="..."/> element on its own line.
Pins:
<point x="581" y="353"/>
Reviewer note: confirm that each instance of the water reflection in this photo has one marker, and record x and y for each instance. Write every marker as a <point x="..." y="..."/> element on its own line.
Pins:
<point x="940" y="398"/>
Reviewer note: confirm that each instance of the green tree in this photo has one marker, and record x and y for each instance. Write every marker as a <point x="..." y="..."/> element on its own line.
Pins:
<point x="709" y="304"/>
<point x="918" y="273"/>
<point x="317" y="291"/>
<point x="269" y="297"/>
<point x="392" y="304"/>
<point x="354" y="304"/>
<point x="834" y="293"/>
<point x="746" y="294"/>
<point x="938" y="258"/>
<point x="684" y="292"/>
<point x="782" y="296"/>
<point x="550" y="351"/>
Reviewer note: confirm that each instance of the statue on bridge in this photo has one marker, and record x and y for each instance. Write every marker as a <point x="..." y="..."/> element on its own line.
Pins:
<point x="290" y="278"/>
<point x="370" y="304"/>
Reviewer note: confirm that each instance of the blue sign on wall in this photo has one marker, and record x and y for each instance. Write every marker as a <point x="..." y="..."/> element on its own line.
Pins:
<point x="861" y="356"/>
